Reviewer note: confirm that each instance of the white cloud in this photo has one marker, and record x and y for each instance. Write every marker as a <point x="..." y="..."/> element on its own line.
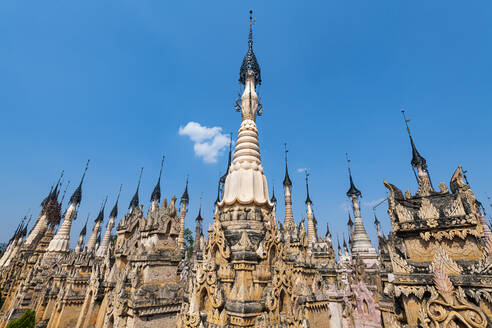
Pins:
<point x="373" y="203"/>
<point x="302" y="170"/>
<point x="208" y="142"/>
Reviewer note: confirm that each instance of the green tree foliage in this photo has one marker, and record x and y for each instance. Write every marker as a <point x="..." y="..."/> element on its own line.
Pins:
<point x="27" y="320"/>
<point x="189" y="242"/>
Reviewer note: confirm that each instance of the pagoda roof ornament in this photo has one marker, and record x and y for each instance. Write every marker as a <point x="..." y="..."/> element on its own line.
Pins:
<point x="287" y="182"/>
<point x="114" y="211"/>
<point x="353" y="191"/>
<point x="156" y="193"/>
<point x="77" y="195"/>
<point x="185" y="198"/>
<point x="417" y="159"/>
<point x="308" y="199"/>
<point x="134" y="202"/>
<point x="250" y="63"/>
<point x="273" y="199"/>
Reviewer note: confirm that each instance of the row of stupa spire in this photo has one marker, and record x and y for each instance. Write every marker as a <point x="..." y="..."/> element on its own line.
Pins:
<point x="244" y="182"/>
<point x="50" y="216"/>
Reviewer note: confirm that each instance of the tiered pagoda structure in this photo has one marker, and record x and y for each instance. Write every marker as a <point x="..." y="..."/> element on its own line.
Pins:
<point x="253" y="267"/>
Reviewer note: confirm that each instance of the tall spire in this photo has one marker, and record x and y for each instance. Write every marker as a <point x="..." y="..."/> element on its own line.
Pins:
<point x="198" y="231"/>
<point x="77" y="195"/>
<point x="417" y="159"/>
<point x="114" y="211"/>
<point x="104" y="245"/>
<point x="82" y="234"/>
<point x="287" y="182"/>
<point x="134" y="202"/>
<point x="245" y="183"/>
<point x="289" y="216"/>
<point x="311" y="220"/>
<point x="308" y="199"/>
<point x="156" y="193"/>
<point x="418" y="162"/>
<point x="360" y="239"/>
<point x="353" y="191"/>
<point x="61" y="241"/>
<point x="91" y="243"/>
<point x="249" y="62"/>
<point x="185" y="198"/>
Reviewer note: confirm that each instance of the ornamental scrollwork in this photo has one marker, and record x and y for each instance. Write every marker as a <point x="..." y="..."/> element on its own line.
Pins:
<point x="218" y="240"/>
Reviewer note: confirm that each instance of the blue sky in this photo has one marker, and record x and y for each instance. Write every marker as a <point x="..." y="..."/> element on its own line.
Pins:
<point x="114" y="81"/>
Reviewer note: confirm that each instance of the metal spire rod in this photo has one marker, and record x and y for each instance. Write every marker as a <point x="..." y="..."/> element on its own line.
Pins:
<point x="140" y="178"/>
<point x="286" y="151"/>
<point x="60" y="178"/>
<point x="65" y="191"/>
<point x="85" y="171"/>
<point x="251" y="23"/>
<point x="375" y="206"/>
<point x="348" y="164"/>
<point x="162" y="164"/>
<point x="103" y="205"/>
<point x="406" y="122"/>
<point x="308" y="199"/>
<point x="119" y="192"/>
<point x="411" y="140"/>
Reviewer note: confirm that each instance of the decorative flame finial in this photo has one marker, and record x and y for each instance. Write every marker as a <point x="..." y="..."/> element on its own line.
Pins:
<point x="249" y="62"/>
<point x="353" y="191"/>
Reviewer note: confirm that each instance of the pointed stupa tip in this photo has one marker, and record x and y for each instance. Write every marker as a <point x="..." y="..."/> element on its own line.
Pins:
<point x="84" y="228"/>
<point x="353" y="191"/>
<point x="308" y="199"/>
<point x="156" y="193"/>
<point x="100" y="216"/>
<point x="273" y="199"/>
<point x="114" y="211"/>
<point x="350" y="223"/>
<point x="134" y="202"/>
<point x="54" y="194"/>
<point x="287" y="182"/>
<point x="417" y="159"/>
<point x="47" y="198"/>
<point x="77" y="194"/>
<point x="250" y="63"/>
<point x="328" y="234"/>
<point x="199" y="216"/>
<point x="185" y="198"/>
